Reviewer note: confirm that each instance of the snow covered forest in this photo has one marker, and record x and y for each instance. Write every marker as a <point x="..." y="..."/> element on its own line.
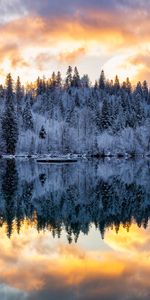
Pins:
<point x="72" y="116"/>
<point x="73" y="197"/>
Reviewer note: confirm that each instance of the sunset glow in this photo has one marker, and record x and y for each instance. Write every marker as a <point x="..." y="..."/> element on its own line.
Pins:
<point x="42" y="260"/>
<point x="41" y="37"/>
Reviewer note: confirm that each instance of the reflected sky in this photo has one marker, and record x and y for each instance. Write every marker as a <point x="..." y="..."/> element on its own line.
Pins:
<point x="37" y="264"/>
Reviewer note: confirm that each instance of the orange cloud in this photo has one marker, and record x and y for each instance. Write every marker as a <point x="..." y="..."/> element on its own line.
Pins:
<point x="71" y="56"/>
<point x="34" y="41"/>
<point x="12" y="52"/>
<point x="37" y="264"/>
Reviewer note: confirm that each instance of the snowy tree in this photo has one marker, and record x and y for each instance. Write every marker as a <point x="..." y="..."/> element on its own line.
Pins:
<point x="85" y="81"/>
<point x="27" y="115"/>
<point x="77" y="116"/>
<point x="105" y="115"/>
<point x="9" y="121"/>
<point x="42" y="133"/>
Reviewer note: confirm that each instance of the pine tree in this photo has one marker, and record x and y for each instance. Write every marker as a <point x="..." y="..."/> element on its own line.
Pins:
<point x="116" y="84"/>
<point x="58" y="80"/>
<point x="85" y="81"/>
<point x="42" y="133"/>
<point x="27" y="115"/>
<point x="96" y="85"/>
<point x="18" y="89"/>
<point x="128" y="86"/>
<point x="105" y="115"/>
<point x="9" y="121"/>
<point x="1" y="91"/>
<point x="145" y="90"/>
<point x="32" y="147"/>
<point x="39" y="86"/>
<point x="76" y="78"/>
<point x="102" y="81"/>
<point x="138" y="89"/>
<point x="9" y="188"/>
<point x="19" y="95"/>
<point x="77" y="100"/>
<point x="69" y="77"/>
<point x="53" y="80"/>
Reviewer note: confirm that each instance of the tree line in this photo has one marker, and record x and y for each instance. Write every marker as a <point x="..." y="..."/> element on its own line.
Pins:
<point x="71" y="115"/>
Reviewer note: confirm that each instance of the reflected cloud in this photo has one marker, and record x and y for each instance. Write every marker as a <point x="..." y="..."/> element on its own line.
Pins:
<point x="9" y="293"/>
<point x="133" y="241"/>
<point x="44" y="269"/>
<point x="38" y="266"/>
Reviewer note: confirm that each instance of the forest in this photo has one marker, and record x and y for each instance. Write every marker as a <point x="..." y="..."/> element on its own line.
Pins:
<point x="72" y="116"/>
<point x="106" y="194"/>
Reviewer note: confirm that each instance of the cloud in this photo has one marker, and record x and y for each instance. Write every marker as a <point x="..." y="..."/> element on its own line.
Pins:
<point x="11" y="10"/>
<point x="69" y="8"/>
<point x="11" y="52"/>
<point x="36" y="32"/>
<point x="46" y="268"/>
<point x="42" y="60"/>
<point x="69" y="57"/>
<point x="9" y="293"/>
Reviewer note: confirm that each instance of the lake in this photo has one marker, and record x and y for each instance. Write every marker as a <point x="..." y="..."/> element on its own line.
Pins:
<point x="75" y="231"/>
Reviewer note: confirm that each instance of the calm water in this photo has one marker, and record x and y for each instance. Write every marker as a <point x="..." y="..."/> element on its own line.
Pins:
<point x="77" y="231"/>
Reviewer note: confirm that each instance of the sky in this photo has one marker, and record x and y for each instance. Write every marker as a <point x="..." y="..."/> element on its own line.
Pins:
<point x="35" y="266"/>
<point x="39" y="37"/>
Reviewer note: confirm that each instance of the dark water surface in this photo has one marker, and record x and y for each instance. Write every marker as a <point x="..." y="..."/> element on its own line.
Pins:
<point x="76" y="231"/>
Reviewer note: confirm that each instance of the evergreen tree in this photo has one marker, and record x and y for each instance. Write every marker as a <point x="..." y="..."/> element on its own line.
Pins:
<point x="1" y="91"/>
<point x="105" y="115"/>
<point x="145" y="90"/>
<point x="9" y="187"/>
<point x="19" y="95"/>
<point x="9" y="121"/>
<point x="96" y="85"/>
<point x="69" y="77"/>
<point x="128" y="86"/>
<point x="85" y="81"/>
<point x="77" y="100"/>
<point x="58" y="80"/>
<point x="76" y="78"/>
<point x="102" y="80"/>
<point x="27" y="115"/>
<point x="39" y="88"/>
<point x="138" y="89"/>
<point x="18" y="89"/>
<point x="42" y="133"/>
<point x="32" y="147"/>
<point x="53" y="80"/>
<point x="116" y="84"/>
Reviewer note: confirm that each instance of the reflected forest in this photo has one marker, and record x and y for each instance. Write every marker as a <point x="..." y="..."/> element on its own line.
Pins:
<point x="72" y="197"/>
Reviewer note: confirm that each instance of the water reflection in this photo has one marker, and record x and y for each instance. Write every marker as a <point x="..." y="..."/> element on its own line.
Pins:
<point x="75" y="196"/>
<point x="66" y="202"/>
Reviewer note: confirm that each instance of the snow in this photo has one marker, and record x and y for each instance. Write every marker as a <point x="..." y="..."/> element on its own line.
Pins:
<point x="78" y="119"/>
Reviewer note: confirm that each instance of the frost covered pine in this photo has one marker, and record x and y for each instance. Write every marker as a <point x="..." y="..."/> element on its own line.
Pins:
<point x="73" y="116"/>
<point x="9" y="120"/>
